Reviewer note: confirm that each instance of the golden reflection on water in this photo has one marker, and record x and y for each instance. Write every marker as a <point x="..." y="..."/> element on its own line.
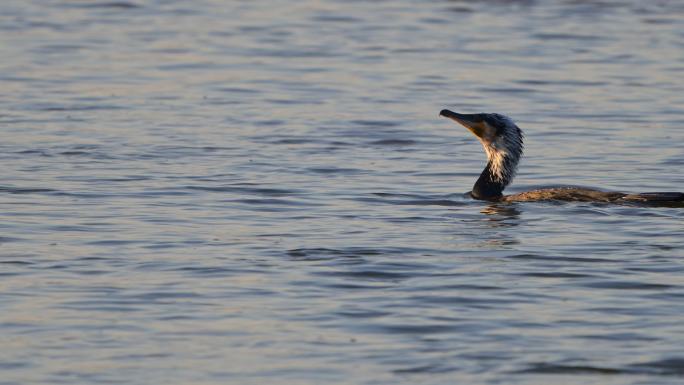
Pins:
<point x="501" y="215"/>
<point x="498" y="218"/>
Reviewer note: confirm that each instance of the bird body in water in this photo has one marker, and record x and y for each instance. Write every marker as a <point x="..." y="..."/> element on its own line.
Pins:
<point x="502" y="140"/>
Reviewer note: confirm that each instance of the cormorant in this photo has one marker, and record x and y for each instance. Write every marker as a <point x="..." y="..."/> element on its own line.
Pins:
<point x="503" y="142"/>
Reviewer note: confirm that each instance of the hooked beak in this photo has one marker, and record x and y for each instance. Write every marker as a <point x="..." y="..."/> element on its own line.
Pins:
<point x="473" y="122"/>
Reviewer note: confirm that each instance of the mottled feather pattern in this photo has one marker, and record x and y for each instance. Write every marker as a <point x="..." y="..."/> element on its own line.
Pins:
<point x="505" y="151"/>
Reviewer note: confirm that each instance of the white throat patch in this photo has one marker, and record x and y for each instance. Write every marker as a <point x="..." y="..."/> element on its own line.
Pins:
<point x="504" y="150"/>
<point x="497" y="154"/>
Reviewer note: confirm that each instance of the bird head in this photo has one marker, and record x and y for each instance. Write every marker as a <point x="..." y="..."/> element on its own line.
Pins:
<point x="501" y="138"/>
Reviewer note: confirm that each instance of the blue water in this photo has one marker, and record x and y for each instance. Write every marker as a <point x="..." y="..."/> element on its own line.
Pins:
<point x="256" y="192"/>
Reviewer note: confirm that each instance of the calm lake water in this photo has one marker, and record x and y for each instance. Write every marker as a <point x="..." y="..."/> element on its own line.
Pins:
<point x="261" y="192"/>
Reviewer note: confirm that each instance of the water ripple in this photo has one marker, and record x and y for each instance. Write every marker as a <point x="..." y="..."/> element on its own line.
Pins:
<point x="262" y="192"/>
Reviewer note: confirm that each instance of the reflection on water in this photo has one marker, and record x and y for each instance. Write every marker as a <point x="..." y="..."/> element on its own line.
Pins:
<point x="262" y="192"/>
<point x="495" y="234"/>
<point x="501" y="215"/>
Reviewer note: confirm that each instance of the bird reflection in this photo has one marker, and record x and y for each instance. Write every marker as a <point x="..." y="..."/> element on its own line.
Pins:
<point x="499" y="215"/>
<point x="495" y="230"/>
<point x="499" y="218"/>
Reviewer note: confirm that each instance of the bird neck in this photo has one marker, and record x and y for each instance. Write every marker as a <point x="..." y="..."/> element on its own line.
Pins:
<point x="489" y="187"/>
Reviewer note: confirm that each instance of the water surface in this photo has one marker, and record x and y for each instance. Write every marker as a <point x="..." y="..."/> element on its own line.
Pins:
<point x="262" y="192"/>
